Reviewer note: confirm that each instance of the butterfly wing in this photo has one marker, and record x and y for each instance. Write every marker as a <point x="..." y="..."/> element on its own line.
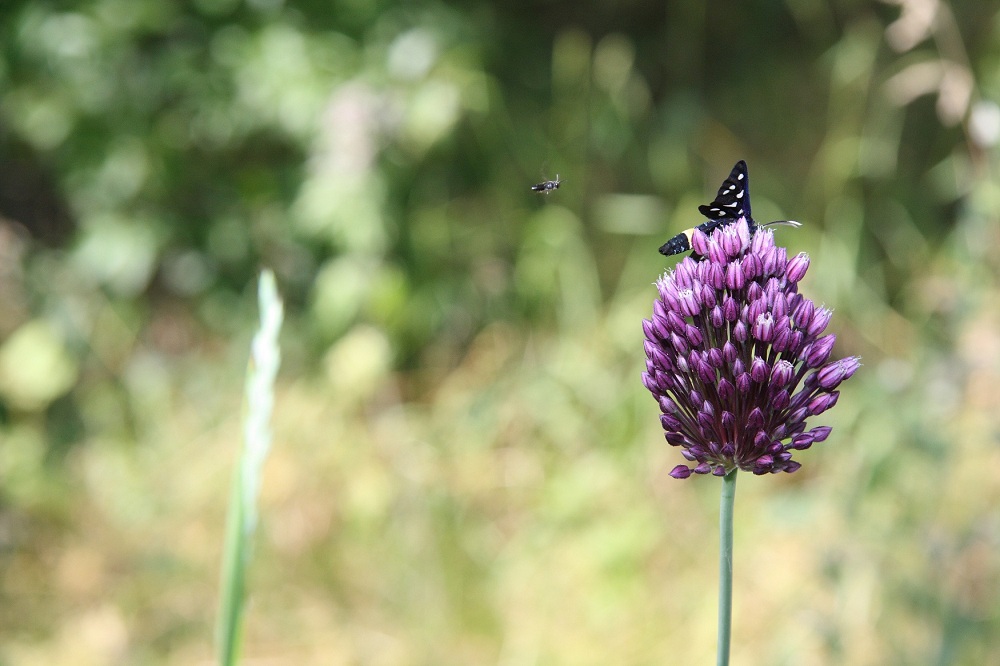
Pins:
<point x="733" y="199"/>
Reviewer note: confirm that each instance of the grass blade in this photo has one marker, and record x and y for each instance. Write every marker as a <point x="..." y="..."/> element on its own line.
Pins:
<point x="241" y="522"/>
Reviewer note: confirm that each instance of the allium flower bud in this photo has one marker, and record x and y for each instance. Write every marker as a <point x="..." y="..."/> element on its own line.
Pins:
<point x="714" y="357"/>
<point x="736" y="358"/>
<point x="797" y="267"/>
<point x="821" y="403"/>
<point x="700" y="244"/>
<point x="742" y="382"/>
<point x="802" y="314"/>
<point x="715" y="276"/>
<point x="729" y="352"/>
<point x="780" y="400"/>
<point x="669" y="422"/>
<point x="681" y="472"/>
<point x="715" y="250"/>
<point x="734" y="276"/>
<point x="752" y="267"/>
<point x="779" y="307"/>
<point x="731" y="242"/>
<point x="820" y="433"/>
<point x="693" y="335"/>
<point x="820" y="318"/>
<point x="689" y="304"/>
<point x="782" y="373"/>
<point x="831" y="375"/>
<point x="650" y="383"/>
<point x="667" y="406"/>
<point x="740" y="331"/>
<point x="708" y="297"/>
<point x="648" y="329"/>
<point x="730" y="308"/>
<point x="726" y="390"/>
<point x="782" y="336"/>
<point x="716" y="317"/>
<point x="705" y="371"/>
<point x="763" y="328"/>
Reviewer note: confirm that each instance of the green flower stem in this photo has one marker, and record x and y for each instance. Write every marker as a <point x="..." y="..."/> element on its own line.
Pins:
<point x="726" y="566"/>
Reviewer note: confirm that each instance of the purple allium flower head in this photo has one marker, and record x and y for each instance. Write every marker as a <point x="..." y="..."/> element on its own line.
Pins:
<point x="736" y="357"/>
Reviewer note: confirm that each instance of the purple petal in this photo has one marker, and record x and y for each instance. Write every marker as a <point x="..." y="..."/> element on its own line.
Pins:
<point x="693" y="335"/>
<point x="763" y="328"/>
<point x="821" y="317"/>
<point x="782" y="373"/>
<point x="667" y="406"/>
<point x="650" y="383"/>
<point x="822" y="403"/>
<point x="797" y="267"/>
<point x="730" y="308"/>
<point x="726" y="390"/>
<point x="820" y="433"/>
<point x="680" y="472"/>
<point x="743" y="382"/>
<point x="670" y="423"/>
<point x="832" y="375"/>
<point x="740" y="331"/>
<point x="816" y="353"/>
<point x="780" y="400"/>
<point x="674" y="438"/>
<point x="734" y="276"/>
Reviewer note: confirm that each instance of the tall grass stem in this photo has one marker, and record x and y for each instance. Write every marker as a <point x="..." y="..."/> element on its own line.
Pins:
<point x="241" y="522"/>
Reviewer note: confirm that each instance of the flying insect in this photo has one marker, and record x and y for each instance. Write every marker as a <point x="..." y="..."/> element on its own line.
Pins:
<point x="546" y="186"/>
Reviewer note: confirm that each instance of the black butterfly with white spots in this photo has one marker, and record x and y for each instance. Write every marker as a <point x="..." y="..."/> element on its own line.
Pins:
<point x="731" y="203"/>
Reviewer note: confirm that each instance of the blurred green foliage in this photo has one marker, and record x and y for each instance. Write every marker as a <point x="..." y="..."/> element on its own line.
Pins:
<point x="466" y="467"/>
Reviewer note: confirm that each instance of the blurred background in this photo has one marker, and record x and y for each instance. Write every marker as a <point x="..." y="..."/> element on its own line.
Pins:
<point x="466" y="467"/>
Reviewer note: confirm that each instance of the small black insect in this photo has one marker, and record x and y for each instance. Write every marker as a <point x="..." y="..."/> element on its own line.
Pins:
<point x="731" y="203"/>
<point x="547" y="186"/>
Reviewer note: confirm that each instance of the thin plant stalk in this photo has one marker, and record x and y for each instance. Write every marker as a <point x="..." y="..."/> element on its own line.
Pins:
<point x="726" y="566"/>
<point x="241" y="521"/>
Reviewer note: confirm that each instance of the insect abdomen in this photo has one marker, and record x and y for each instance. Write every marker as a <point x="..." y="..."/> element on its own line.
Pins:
<point x="682" y="241"/>
<point x="679" y="243"/>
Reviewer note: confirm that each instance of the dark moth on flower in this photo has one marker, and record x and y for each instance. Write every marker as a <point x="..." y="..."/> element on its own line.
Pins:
<point x="736" y="357"/>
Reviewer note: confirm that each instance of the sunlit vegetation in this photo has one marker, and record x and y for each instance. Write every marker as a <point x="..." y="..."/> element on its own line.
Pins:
<point x="466" y="467"/>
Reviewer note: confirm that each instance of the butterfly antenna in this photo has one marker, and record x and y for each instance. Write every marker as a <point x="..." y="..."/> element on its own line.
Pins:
<point x="787" y="223"/>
